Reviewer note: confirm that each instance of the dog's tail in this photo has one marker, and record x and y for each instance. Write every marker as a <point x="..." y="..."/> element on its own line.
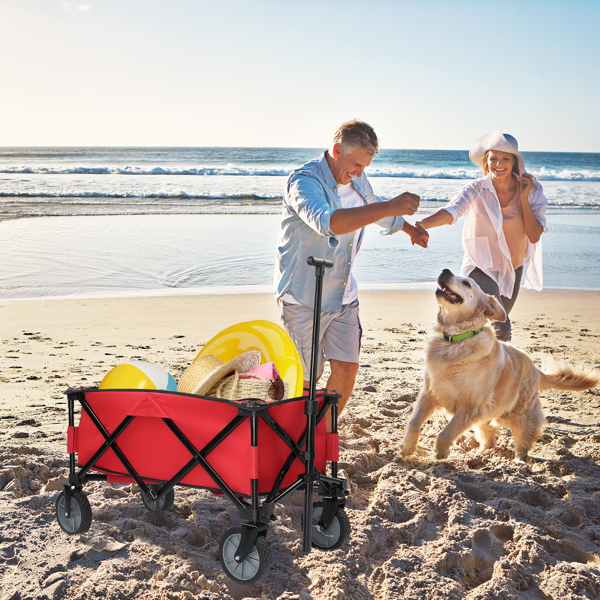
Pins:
<point x="560" y="375"/>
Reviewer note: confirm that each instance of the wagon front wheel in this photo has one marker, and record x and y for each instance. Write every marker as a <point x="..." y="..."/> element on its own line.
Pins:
<point x="333" y="536"/>
<point x="80" y="518"/>
<point x="253" y="567"/>
<point x="158" y="505"/>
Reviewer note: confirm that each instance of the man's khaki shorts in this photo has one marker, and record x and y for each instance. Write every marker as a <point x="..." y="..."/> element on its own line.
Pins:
<point x="339" y="333"/>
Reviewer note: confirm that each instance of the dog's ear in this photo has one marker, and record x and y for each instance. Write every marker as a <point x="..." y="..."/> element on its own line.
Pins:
<point x="493" y="310"/>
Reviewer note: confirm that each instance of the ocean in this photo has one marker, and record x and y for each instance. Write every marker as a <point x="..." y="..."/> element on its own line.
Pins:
<point x="145" y="221"/>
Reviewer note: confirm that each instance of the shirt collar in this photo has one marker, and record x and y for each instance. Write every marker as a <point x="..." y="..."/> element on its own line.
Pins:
<point x="326" y="171"/>
<point x="486" y="182"/>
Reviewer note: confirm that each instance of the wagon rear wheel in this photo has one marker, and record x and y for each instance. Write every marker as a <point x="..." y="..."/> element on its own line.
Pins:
<point x="334" y="536"/>
<point x="255" y="565"/>
<point x="158" y="505"/>
<point x="80" y="519"/>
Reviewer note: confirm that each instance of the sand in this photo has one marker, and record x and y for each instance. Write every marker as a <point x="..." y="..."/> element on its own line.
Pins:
<point x="475" y="526"/>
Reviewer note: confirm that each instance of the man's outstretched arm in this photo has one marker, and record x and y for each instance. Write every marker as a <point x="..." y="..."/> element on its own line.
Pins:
<point x="347" y="220"/>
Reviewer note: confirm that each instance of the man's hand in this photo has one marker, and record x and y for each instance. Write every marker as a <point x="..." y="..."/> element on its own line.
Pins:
<point x="404" y="204"/>
<point x="418" y="235"/>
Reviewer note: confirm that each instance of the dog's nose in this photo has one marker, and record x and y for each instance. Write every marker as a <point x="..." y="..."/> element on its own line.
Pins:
<point x="447" y="272"/>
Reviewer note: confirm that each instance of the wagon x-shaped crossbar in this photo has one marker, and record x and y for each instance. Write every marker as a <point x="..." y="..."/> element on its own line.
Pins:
<point x="251" y="409"/>
<point x="199" y="456"/>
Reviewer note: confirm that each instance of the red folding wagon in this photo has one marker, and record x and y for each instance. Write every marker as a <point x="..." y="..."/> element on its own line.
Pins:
<point x="253" y="452"/>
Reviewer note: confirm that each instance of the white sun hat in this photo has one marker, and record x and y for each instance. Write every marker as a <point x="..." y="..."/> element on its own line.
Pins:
<point x="496" y="141"/>
<point x="207" y="370"/>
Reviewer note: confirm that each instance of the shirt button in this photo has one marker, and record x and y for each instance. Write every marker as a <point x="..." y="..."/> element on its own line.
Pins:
<point x="348" y="263"/>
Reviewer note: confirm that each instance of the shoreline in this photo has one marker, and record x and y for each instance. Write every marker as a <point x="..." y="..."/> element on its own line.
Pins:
<point x="258" y="289"/>
<point x="263" y="296"/>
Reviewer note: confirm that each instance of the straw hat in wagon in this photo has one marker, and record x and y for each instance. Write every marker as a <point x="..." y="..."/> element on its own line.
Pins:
<point x="207" y="370"/>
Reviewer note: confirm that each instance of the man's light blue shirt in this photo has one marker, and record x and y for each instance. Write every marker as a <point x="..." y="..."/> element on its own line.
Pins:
<point x="310" y="198"/>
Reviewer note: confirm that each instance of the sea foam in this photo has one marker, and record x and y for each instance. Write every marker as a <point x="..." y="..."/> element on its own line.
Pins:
<point x="543" y="173"/>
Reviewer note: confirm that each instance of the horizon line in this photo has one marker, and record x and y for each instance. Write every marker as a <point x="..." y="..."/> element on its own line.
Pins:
<point x="124" y="146"/>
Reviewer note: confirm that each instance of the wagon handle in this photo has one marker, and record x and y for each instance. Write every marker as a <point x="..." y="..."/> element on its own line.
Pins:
<point x="312" y="406"/>
<point x="313" y="261"/>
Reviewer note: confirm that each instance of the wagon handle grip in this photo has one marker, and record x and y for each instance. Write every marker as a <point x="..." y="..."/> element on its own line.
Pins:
<point x="313" y="261"/>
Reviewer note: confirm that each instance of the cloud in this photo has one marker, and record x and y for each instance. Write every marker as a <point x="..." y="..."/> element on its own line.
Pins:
<point x="75" y="8"/>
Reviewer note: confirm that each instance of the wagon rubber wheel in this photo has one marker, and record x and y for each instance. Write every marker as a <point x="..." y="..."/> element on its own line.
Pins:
<point x="81" y="513"/>
<point x="159" y="505"/>
<point x="334" y="536"/>
<point x="255" y="565"/>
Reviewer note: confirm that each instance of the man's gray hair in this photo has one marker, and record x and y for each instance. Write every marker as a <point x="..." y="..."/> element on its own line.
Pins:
<point x="357" y="134"/>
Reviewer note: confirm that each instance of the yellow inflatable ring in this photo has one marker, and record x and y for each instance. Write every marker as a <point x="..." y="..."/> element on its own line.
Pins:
<point x="272" y="340"/>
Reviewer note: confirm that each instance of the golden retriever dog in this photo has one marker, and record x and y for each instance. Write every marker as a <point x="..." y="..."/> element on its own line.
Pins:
<point x="479" y="381"/>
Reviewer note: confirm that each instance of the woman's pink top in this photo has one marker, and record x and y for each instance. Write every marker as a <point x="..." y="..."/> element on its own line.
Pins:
<point x="514" y="230"/>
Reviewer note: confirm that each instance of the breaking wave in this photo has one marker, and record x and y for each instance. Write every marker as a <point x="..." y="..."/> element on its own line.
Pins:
<point x="543" y="174"/>
<point x="134" y="195"/>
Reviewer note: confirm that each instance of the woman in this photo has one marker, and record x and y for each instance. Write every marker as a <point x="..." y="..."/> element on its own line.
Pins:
<point x="504" y="222"/>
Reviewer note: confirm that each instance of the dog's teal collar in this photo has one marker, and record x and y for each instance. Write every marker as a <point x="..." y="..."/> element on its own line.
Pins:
<point x="462" y="336"/>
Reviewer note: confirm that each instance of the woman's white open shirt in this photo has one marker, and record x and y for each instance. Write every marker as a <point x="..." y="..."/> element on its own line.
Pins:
<point x="483" y="224"/>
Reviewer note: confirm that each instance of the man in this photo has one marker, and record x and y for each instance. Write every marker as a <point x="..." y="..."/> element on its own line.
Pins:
<point x="326" y="205"/>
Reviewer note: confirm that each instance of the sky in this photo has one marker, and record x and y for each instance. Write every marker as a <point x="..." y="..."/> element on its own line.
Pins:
<point x="424" y="74"/>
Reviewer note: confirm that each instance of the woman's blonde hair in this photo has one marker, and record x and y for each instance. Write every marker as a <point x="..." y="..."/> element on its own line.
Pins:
<point x="486" y="169"/>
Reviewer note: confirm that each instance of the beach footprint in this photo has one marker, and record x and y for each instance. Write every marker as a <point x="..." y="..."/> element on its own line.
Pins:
<point x="487" y="548"/>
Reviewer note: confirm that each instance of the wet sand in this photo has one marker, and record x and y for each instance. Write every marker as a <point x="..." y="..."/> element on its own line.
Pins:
<point x="476" y="526"/>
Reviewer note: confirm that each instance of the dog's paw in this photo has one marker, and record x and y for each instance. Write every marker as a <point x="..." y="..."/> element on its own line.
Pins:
<point x="483" y="448"/>
<point x="407" y="449"/>
<point x="441" y="451"/>
<point x="521" y="457"/>
<point x="526" y="460"/>
<point x="409" y="443"/>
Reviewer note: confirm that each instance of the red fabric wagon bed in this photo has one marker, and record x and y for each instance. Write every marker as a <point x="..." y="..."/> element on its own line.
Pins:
<point x="157" y="454"/>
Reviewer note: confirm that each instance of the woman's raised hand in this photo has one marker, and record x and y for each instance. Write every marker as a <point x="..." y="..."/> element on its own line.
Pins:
<point x="525" y="185"/>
